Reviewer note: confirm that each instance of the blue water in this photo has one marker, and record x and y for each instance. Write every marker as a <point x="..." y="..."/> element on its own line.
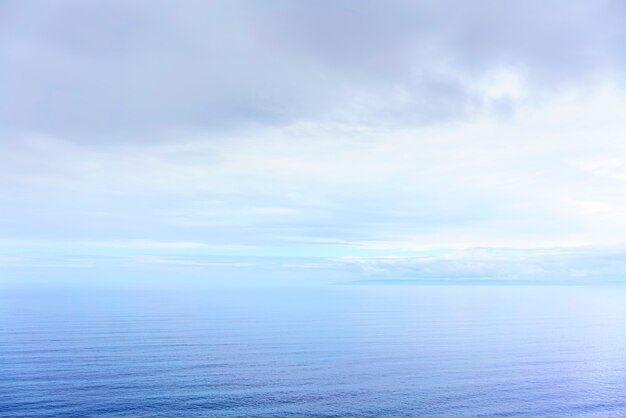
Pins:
<point x="345" y="351"/>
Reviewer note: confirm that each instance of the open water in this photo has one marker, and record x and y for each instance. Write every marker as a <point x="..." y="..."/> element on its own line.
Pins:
<point x="326" y="351"/>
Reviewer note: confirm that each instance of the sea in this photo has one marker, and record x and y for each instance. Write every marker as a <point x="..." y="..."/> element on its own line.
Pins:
<point x="338" y="350"/>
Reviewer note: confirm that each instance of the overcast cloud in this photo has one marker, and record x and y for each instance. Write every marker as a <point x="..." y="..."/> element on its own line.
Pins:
<point x="324" y="129"/>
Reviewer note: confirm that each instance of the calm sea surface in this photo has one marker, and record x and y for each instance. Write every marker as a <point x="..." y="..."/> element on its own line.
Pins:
<point x="344" y="351"/>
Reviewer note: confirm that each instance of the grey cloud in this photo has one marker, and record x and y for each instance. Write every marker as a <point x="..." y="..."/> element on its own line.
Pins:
<point x="80" y="69"/>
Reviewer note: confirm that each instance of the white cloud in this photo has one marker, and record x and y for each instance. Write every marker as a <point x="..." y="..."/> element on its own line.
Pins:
<point x="521" y="182"/>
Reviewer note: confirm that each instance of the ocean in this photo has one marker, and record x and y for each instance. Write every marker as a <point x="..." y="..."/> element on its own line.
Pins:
<point x="314" y="351"/>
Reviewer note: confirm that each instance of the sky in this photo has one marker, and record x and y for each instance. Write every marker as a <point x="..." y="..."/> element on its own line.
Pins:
<point x="300" y="139"/>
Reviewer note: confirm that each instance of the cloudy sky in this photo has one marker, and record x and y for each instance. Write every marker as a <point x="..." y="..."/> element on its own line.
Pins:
<point x="400" y="139"/>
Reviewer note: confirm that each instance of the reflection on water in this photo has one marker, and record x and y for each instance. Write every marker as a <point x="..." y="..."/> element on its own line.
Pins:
<point x="320" y="351"/>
